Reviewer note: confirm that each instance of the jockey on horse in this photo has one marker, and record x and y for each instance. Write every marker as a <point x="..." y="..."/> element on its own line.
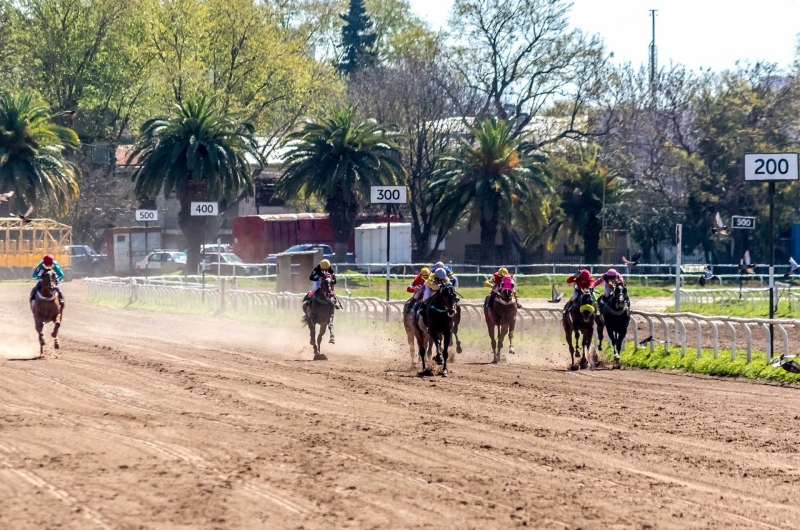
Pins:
<point x="319" y="272"/>
<point x="496" y="284"/>
<point x="434" y="282"/>
<point x="583" y="280"/>
<point x="416" y="288"/>
<point x="609" y="279"/>
<point x="450" y="275"/>
<point x="47" y="263"/>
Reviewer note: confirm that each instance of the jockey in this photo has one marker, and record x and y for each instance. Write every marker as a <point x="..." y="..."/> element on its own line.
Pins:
<point x="318" y="273"/>
<point x="47" y="263"/>
<point x="607" y="279"/>
<point x="582" y="280"/>
<point x="434" y="283"/>
<point x="440" y="265"/>
<point x="418" y="285"/>
<point x="496" y="283"/>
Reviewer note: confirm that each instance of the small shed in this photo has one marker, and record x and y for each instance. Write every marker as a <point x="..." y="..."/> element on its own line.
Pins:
<point x="371" y="244"/>
<point x="294" y="268"/>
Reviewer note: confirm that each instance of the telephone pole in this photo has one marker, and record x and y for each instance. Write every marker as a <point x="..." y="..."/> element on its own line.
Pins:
<point x="653" y="64"/>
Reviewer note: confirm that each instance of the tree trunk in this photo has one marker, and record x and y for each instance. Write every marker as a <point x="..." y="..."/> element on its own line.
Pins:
<point x="194" y="228"/>
<point x="488" y="235"/>
<point x="342" y="214"/>
<point x="591" y="240"/>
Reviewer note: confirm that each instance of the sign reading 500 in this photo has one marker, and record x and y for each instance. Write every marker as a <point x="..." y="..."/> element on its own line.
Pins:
<point x="388" y="195"/>
<point x="205" y="208"/>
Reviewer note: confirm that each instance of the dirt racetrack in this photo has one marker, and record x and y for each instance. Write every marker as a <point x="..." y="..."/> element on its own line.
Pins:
<point x="149" y="420"/>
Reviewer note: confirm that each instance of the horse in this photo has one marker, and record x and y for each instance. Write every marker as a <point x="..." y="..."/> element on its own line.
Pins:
<point x="615" y="315"/>
<point x="47" y="308"/>
<point x="319" y="309"/>
<point x="410" y="324"/>
<point x="501" y="315"/>
<point x="580" y="321"/>
<point x="439" y="313"/>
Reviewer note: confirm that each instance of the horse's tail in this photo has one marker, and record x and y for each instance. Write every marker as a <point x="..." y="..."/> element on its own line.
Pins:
<point x="305" y="320"/>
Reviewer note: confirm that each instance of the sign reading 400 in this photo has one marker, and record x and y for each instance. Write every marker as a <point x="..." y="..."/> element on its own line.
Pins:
<point x="388" y="195"/>
<point x="205" y="208"/>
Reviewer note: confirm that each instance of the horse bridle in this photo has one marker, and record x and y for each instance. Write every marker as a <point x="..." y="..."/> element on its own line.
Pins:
<point x="621" y="298"/>
<point x="439" y="294"/>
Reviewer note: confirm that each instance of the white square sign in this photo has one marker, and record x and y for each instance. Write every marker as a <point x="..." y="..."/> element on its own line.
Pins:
<point x="147" y="215"/>
<point x="388" y="195"/>
<point x="205" y="208"/>
<point x="770" y="166"/>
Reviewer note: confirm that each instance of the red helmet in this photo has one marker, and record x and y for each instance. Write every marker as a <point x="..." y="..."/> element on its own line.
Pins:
<point x="47" y="260"/>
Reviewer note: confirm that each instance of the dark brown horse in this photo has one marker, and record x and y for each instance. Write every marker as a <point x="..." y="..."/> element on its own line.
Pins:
<point x="439" y="313"/>
<point x="501" y="317"/>
<point x="410" y="324"/>
<point x="47" y="308"/>
<point x="580" y="321"/>
<point x="614" y="317"/>
<point x="319" y="310"/>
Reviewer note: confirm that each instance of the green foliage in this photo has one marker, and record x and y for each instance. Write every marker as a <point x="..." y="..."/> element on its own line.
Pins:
<point x="33" y="152"/>
<point x="337" y="159"/>
<point x="721" y="366"/>
<point x="486" y="179"/>
<point x="358" y="40"/>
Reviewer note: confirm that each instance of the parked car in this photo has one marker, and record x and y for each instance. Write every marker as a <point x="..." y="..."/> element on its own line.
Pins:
<point x="327" y="251"/>
<point x="228" y="264"/>
<point x="162" y="262"/>
<point x="85" y="261"/>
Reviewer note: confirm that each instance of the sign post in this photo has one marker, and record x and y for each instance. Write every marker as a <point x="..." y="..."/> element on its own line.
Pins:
<point x="388" y="195"/>
<point x="204" y="209"/>
<point x="678" y="244"/>
<point x="146" y="216"/>
<point x="771" y="167"/>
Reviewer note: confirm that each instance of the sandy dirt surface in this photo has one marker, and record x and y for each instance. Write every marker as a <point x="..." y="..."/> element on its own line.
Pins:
<point x="147" y="420"/>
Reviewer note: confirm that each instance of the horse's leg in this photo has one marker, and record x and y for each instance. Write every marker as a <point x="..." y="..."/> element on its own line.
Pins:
<point x="330" y="328"/>
<point x="502" y="331"/>
<point x="421" y="344"/>
<point x="490" y="326"/>
<point x="511" y="336"/>
<point x="411" y="339"/>
<point x="586" y="343"/>
<point x="438" y="341"/>
<point x="39" y="324"/>
<point x="56" y="328"/>
<point x="600" y="326"/>
<point x="568" y="332"/>
<point x="456" y="324"/>
<point x="447" y="339"/>
<point x="320" y="356"/>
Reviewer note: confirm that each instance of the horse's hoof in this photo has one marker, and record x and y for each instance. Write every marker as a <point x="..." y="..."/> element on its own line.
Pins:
<point x="577" y="355"/>
<point x="54" y="334"/>
<point x="331" y="341"/>
<point x="573" y="368"/>
<point x="56" y="346"/>
<point x="616" y="364"/>
<point x="495" y="360"/>
<point x="583" y="364"/>
<point x="459" y="349"/>
<point x="511" y="351"/>
<point x="320" y="357"/>
<point x="439" y="360"/>
<point x="444" y="372"/>
<point x="427" y="372"/>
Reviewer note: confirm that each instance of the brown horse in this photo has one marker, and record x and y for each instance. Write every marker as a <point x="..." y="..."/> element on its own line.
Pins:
<point x="47" y="308"/>
<point x="319" y="310"/>
<point x="580" y="321"/>
<point x="501" y="317"/>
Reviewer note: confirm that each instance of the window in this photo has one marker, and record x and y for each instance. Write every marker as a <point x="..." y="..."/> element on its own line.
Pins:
<point x="78" y="251"/>
<point x="154" y="258"/>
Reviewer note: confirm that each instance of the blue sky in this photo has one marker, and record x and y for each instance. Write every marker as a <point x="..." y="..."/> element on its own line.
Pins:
<point x="697" y="33"/>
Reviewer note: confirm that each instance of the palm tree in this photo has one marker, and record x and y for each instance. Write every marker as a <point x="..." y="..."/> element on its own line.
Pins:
<point x="583" y="177"/>
<point x="199" y="153"/>
<point x="337" y="159"/>
<point x="32" y="154"/>
<point x="488" y="179"/>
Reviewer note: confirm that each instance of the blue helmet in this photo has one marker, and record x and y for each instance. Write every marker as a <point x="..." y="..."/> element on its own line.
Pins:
<point x="440" y="274"/>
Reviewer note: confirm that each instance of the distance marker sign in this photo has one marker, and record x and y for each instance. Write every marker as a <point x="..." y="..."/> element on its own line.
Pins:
<point x="205" y="208"/>
<point x="742" y="222"/>
<point x="146" y="215"/>
<point x="770" y="166"/>
<point x="388" y="195"/>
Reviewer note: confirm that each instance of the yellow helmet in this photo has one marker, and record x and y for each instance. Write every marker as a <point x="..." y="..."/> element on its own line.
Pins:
<point x="503" y="271"/>
<point x="425" y="272"/>
<point x="324" y="264"/>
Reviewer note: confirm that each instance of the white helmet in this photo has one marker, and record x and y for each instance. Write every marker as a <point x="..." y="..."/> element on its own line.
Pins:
<point x="439" y="265"/>
<point x="440" y="274"/>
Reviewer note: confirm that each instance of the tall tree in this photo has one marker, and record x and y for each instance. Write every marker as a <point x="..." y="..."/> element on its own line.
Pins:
<point x="487" y="179"/>
<point x="338" y="159"/>
<point x="358" y="40"/>
<point x="198" y="153"/>
<point x="33" y="151"/>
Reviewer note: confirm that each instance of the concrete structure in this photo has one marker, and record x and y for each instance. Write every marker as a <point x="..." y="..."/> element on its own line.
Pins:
<point x="294" y="270"/>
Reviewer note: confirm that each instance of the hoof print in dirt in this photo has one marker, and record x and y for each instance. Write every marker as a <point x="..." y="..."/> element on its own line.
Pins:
<point x="320" y="357"/>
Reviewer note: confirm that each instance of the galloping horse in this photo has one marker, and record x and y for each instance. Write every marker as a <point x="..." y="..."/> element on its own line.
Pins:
<point x="47" y="308"/>
<point x="501" y="316"/>
<point x="319" y="310"/>
<point x="410" y="325"/>
<point x="439" y="313"/>
<point x="615" y="316"/>
<point x="580" y="321"/>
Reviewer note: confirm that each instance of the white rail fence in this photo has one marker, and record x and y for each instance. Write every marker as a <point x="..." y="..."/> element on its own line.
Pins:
<point x="686" y="331"/>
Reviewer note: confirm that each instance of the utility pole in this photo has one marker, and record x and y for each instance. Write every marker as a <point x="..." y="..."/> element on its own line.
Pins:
<point x="653" y="65"/>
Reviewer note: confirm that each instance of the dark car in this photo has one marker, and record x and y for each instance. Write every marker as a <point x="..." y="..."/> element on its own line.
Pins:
<point x="228" y="264"/>
<point x="85" y="261"/>
<point x="327" y="251"/>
